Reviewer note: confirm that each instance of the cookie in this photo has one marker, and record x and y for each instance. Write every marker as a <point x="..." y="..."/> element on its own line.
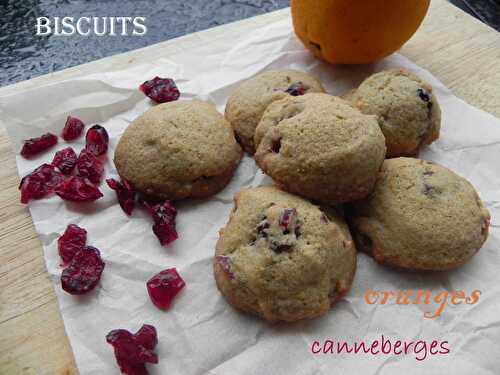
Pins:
<point x="420" y="217"/>
<point x="178" y="150"/>
<point x="320" y="147"/>
<point x="247" y="103"/>
<point x="281" y="258"/>
<point x="407" y="110"/>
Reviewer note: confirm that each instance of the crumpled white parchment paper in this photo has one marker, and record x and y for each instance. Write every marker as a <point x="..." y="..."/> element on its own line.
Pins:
<point x="202" y="334"/>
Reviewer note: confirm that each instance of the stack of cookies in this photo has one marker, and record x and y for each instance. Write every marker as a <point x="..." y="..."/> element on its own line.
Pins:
<point x="346" y="177"/>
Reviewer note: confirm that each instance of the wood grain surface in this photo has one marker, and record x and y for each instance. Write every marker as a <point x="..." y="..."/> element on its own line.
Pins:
<point x="456" y="48"/>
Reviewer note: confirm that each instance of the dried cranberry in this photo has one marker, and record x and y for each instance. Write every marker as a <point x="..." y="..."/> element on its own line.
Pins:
<point x="132" y="369"/>
<point x="97" y="140"/>
<point x="164" y="217"/>
<point x="65" y="160"/>
<point x="89" y="166"/>
<point x="125" y="193"/>
<point x="78" y="189"/>
<point x="39" y="183"/>
<point x="72" y="241"/>
<point x="84" y="271"/>
<point x="484" y="226"/>
<point x="163" y="288"/>
<point x="262" y="229"/>
<point x="226" y="265"/>
<point x="161" y="90"/>
<point x="424" y="96"/>
<point x="132" y="351"/>
<point x="147" y="336"/>
<point x="34" y="146"/>
<point x="297" y="89"/>
<point x="287" y="217"/>
<point x="165" y="232"/>
<point x="279" y="247"/>
<point x="72" y="129"/>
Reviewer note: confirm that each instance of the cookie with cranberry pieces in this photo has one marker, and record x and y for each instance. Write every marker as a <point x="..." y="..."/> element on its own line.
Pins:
<point x="247" y="103"/>
<point x="282" y="258"/>
<point x="178" y="150"/>
<point x="320" y="147"/>
<point x="406" y="108"/>
<point x="420" y="217"/>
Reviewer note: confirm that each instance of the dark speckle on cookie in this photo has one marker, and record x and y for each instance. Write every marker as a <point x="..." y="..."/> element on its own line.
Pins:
<point x="262" y="229"/>
<point x="276" y="145"/>
<point x="297" y="89"/>
<point x="431" y="191"/>
<point x="422" y="94"/>
<point x="279" y="247"/>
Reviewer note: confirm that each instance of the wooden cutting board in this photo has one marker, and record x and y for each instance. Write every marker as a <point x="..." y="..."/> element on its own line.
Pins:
<point x="459" y="50"/>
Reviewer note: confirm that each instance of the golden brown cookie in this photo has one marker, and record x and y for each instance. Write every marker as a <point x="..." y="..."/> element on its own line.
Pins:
<point x="420" y="217"/>
<point x="247" y="103"/>
<point x="406" y="108"/>
<point x="320" y="147"/>
<point x="178" y="150"/>
<point x="282" y="258"/>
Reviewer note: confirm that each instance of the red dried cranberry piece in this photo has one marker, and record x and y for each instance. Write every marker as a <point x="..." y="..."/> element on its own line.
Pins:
<point x="225" y="263"/>
<point x="163" y="288"/>
<point x="72" y="129"/>
<point x="132" y="369"/>
<point x="163" y="212"/>
<point x="97" y="140"/>
<point x="164" y="217"/>
<point x="297" y="89"/>
<point x="65" y="160"/>
<point x="72" y="241"/>
<point x="78" y="189"/>
<point x="133" y="351"/>
<point x="125" y="193"/>
<point x="165" y="232"/>
<point x="147" y="336"/>
<point x="161" y="90"/>
<point x="89" y="166"/>
<point x="39" y="183"/>
<point x="84" y="271"/>
<point x="287" y="217"/>
<point x="34" y="146"/>
<point x="485" y="225"/>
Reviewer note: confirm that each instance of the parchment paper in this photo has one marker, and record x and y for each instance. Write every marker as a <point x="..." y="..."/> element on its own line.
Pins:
<point x="202" y="334"/>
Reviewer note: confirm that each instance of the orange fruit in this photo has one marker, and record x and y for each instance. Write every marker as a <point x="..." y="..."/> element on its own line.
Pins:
<point x="356" y="31"/>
